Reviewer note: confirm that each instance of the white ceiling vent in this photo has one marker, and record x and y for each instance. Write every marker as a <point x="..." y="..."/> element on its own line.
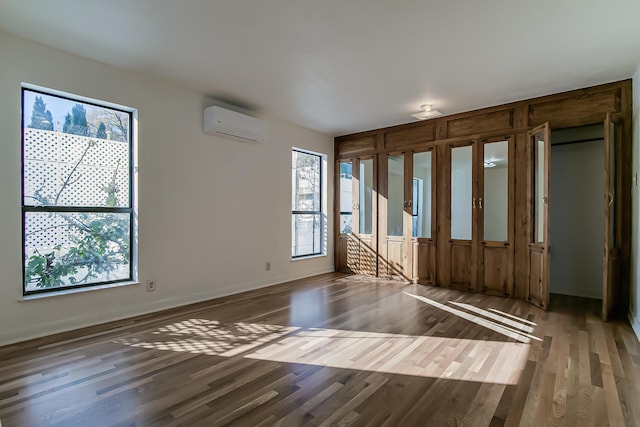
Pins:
<point x="231" y="124"/>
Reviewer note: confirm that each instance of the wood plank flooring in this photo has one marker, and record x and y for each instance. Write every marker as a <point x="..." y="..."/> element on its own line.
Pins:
<point x="333" y="350"/>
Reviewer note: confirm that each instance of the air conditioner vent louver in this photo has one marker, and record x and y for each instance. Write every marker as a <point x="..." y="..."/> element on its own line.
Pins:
<point x="231" y="124"/>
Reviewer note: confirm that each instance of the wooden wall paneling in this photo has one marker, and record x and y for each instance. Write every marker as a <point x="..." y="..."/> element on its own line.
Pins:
<point x="402" y="138"/>
<point x="587" y="108"/>
<point x="443" y="225"/>
<point x="357" y="146"/>
<point x="522" y="220"/>
<point x="481" y="123"/>
<point x="342" y="249"/>
<point x="424" y="266"/>
<point x="575" y="108"/>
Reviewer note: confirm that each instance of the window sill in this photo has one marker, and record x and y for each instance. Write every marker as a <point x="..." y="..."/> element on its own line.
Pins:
<point x="76" y="291"/>
<point x="308" y="257"/>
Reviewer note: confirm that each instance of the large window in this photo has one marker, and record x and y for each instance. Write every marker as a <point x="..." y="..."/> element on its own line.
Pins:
<point x="77" y="192"/>
<point x="307" y="223"/>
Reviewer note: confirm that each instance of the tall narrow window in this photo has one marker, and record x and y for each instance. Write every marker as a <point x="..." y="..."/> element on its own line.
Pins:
<point x="307" y="223"/>
<point x="77" y="204"/>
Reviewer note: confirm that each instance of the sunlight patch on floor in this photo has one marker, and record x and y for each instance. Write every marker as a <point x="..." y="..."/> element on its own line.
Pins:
<point x="425" y="356"/>
<point x="501" y="329"/>
<point x="481" y="360"/>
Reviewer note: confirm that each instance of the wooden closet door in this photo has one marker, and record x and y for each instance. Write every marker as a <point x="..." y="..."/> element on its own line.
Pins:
<point x="356" y="213"/>
<point x="495" y="207"/>
<point x="393" y="202"/>
<point x="365" y="215"/>
<point x="422" y="207"/>
<point x="347" y="252"/>
<point x="612" y="219"/>
<point x="460" y="262"/>
<point x="540" y="149"/>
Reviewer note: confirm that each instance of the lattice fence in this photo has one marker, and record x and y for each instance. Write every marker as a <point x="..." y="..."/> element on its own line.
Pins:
<point x="49" y="159"/>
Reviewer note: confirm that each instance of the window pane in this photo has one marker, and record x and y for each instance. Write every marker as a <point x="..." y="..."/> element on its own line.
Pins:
<point x="461" y="192"/>
<point x="539" y="182"/>
<point x="306" y="232"/>
<point x="496" y="191"/>
<point x="306" y="182"/>
<point x="395" y="196"/>
<point x="422" y="194"/>
<point x="366" y="196"/>
<point x="75" y="154"/>
<point x="72" y="248"/>
<point x="346" y="197"/>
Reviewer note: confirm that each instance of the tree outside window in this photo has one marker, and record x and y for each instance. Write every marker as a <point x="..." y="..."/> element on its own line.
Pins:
<point x="77" y="193"/>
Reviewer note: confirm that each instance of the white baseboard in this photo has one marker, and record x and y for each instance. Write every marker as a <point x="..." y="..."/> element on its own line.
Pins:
<point x="23" y="333"/>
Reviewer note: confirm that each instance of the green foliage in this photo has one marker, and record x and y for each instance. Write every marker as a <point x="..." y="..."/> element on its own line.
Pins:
<point x="100" y="243"/>
<point x="76" y="121"/>
<point x="41" y="118"/>
<point x="101" y="133"/>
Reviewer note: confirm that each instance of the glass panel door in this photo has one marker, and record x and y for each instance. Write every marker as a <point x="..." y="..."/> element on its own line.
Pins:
<point x="540" y="197"/>
<point x="366" y="196"/>
<point x="395" y="195"/>
<point x="346" y="197"/>
<point x="421" y="195"/>
<point x="538" y="286"/>
<point x="461" y="192"/>
<point x="495" y="201"/>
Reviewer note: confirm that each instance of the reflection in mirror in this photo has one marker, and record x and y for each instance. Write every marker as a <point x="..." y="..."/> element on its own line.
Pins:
<point x="421" y="206"/>
<point x="461" y="192"/>
<point x="539" y="188"/>
<point x="395" y="195"/>
<point x="346" y="197"/>
<point x="366" y="196"/>
<point x="495" y="203"/>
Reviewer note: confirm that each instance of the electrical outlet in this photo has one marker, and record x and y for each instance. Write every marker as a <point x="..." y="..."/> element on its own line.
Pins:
<point x="267" y="266"/>
<point x="151" y="285"/>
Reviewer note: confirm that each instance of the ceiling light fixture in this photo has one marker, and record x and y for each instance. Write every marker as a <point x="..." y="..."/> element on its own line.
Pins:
<point x="489" y="164"/>
<point x="427" y="112"/>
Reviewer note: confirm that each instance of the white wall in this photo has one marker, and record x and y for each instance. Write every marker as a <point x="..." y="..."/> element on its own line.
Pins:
<point x="634" y="308"/>
<point x="211" y="211"/>
<point x="577" y="218"/>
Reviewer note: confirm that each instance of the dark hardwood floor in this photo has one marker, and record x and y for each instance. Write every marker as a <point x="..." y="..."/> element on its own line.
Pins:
<point x="333" y="350"/>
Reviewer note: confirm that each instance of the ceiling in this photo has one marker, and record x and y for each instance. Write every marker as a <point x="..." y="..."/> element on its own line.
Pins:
<point x="342" y="66"/>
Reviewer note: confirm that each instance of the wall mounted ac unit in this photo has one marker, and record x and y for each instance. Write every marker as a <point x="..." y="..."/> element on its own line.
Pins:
<point x="231" y="124"/>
